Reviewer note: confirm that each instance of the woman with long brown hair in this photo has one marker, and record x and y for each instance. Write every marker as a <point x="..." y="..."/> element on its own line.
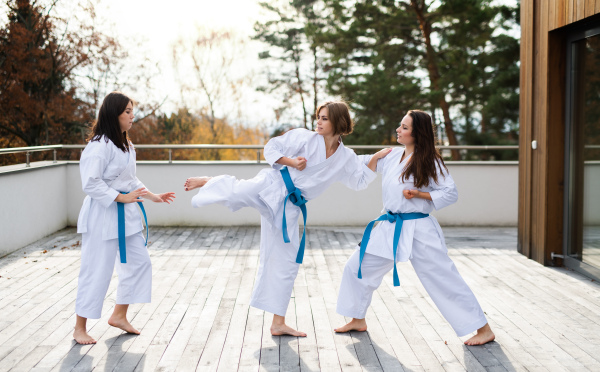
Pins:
<point x="415" y="182"/>
<point x="109" y="221"/>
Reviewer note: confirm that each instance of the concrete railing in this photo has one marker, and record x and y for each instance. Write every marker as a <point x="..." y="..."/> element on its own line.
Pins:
<point x="46" y="197"/>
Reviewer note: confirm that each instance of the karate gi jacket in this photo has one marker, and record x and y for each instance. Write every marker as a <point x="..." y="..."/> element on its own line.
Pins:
<point x="105" y="172"/>
<point x="443" y="193"/>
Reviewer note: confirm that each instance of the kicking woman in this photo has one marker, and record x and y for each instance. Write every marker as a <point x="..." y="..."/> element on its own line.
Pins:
<point x="304" y="164"/>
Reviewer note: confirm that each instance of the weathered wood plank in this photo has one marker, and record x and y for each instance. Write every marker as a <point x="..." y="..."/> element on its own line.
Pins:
<point x="579" y="10"/>
<point x="508" y="305"/>
<point x="561" y="13"/>
<point x="230" y="358"/>
<point x="346" y="350"/>
<point x="526" y="121"/>
<point x="570" y="11"/>
<point x="552" y="8"/>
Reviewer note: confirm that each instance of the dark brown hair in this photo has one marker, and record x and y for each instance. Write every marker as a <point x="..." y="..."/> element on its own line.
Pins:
<point x="107" y="124"/>
<point x="425" y="158"/>
<point x="339" y="115"/>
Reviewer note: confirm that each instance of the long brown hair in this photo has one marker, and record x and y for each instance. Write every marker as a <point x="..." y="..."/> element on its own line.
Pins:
<point x="425" y="158"/>
<point x="107" y="124"/>
<point x="339" y="115"/>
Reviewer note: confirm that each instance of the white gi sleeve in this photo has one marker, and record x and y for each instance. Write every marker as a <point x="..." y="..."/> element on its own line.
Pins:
<point x="138" y="184"/>
<point x="288" y="145"/>
<point x="92" y="168"/>
<point x="444" y="192"/>
<point x="357" y="175"/>
<point x="367" y="158"/>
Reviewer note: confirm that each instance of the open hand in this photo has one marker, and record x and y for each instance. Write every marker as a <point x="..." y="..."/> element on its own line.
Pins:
<point x="299" y="163"/>
<point x="166" y="197"/>
<point x="382" y="153"/>
<point x="133" y="196"/>
<point x="409" y="194"/>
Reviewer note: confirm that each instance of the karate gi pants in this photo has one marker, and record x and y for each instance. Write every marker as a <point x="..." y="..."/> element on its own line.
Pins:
<point x="98" y="259"/>
<point x="435" y="270"/>
<point x="277" y="270"/>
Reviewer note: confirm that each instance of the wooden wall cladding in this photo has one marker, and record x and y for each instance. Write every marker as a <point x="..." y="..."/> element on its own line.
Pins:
<point x="542" y="112"/>
<point x="565" y="12"/>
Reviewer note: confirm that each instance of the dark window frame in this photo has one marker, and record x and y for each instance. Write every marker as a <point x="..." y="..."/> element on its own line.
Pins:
<point x="584" y="30"/>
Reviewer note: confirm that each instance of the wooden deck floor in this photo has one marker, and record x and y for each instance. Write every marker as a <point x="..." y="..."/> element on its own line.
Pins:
<point x="199" y="318"/>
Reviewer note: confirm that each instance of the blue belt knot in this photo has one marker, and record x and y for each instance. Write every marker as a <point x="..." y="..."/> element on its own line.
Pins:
<point x="121" y="224"/>
<point x="295" y="196"/>
<point x="398" y="219"/>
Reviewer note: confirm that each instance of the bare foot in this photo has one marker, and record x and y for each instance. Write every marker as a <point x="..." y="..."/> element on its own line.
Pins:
<point x="195" y="182"/>
<point x="359" y="325"/>
<point x="123" y="323"/>
<point x="284" y="329"/>
<point x="82" y="337"/>
<point x="484" y="335"/>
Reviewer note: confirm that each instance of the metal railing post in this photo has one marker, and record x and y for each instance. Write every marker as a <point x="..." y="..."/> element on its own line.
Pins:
<point x="258" y="156"/>
<point x="54" y="160"/>
<point x="170" y="156"/>
<point x="27" y="161"/>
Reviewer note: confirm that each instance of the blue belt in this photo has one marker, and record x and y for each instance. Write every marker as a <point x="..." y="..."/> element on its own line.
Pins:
<point x="295" y="196"/>
<point x="121" y="221"/>
<point x="398" y="218"/>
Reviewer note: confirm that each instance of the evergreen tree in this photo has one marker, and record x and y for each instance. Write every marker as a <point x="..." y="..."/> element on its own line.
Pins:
<point x="452" y="57"/>
<point x="290" y="36"/>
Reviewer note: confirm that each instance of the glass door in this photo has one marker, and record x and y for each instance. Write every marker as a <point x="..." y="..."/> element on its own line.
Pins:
<point x="582" y="192"/>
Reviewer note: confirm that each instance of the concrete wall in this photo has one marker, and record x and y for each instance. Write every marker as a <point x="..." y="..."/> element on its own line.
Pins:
<point x="591" y="193"/>
<point x="487" y="197"/>
<point x="39" y="201"/>
<point x="33" y="204"/>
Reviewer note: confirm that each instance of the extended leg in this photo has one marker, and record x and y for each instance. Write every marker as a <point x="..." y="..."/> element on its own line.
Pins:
<point x="446" y="287"/>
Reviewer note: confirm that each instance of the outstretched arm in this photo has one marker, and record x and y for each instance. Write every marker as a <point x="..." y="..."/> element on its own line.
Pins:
<point x="360" y="171"/>
<point x="375" y="158"/>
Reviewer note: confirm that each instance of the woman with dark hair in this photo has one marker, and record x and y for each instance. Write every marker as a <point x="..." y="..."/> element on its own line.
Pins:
<point x="109" y="222"/>
<point x="314" y="161"/>
<point x="415" y="182"/>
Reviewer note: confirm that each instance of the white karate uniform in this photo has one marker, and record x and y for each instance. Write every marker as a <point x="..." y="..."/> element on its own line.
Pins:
<point x="106" y="171"/>
<point x="421" y="242"/>
<point x="266" y="193"/>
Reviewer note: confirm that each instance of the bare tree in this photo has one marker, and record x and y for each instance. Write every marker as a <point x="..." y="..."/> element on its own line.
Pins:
<point x="210" y="57"/>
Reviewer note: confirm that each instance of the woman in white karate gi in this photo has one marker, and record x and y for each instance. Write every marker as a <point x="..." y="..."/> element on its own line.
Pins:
<point x="415" y="181"/>
<point x="315" y="160"/>
<point x="107" y="169"/>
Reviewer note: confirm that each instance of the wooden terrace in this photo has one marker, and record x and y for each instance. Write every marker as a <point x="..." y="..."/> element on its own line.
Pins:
<point x="199" y="319"/>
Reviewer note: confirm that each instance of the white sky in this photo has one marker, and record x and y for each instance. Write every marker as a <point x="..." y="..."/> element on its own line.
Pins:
<point x="159" y="24"/>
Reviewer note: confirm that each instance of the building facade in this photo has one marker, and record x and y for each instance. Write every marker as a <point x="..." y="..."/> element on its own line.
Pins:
<point x="559" y="155"/>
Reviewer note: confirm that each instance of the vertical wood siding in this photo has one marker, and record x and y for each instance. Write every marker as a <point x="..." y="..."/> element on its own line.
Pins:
<point x="542" y="111"/>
